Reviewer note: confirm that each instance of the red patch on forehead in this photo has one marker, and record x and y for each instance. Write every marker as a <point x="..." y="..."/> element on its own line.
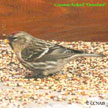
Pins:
<point x="14" y="33"/>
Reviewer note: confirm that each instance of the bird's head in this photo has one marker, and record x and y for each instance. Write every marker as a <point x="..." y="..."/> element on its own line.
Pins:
<point x="18" y="40"/>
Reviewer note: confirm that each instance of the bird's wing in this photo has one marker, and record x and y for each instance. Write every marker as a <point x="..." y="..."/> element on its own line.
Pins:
<point x="47" y="53"/>
<point x="60" y="52"/>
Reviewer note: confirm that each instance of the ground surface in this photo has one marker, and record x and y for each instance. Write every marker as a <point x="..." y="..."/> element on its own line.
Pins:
<point x="83" y="79"/>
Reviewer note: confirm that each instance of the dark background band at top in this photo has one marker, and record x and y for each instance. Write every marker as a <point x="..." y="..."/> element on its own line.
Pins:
<point x="43" y="20"/>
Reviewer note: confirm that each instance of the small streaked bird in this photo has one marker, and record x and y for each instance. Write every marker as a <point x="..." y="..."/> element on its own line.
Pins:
<point x="40" y="56"/>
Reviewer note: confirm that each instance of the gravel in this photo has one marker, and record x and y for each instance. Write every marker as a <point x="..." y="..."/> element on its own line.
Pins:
<point x="82" y="79"/>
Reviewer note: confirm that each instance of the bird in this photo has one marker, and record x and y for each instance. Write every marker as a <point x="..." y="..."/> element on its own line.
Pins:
<point x="42" y="57"/>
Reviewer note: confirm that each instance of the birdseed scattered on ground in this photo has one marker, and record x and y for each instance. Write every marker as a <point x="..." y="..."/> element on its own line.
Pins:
<point x="81" y="79"/>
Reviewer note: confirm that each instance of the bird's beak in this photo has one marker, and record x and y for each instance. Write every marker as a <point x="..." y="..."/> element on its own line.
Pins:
<point x="9" y="39"/>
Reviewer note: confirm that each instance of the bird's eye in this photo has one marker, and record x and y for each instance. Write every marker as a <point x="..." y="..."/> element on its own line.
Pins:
<point x="15" y="38"/>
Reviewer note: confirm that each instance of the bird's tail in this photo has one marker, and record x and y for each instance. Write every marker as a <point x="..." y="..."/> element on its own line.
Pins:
<point x="86" y="55"/>
<point x="90" y="55"/>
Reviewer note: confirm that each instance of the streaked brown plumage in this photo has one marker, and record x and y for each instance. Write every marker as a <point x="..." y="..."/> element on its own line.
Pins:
<point x="40" y="56"/>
